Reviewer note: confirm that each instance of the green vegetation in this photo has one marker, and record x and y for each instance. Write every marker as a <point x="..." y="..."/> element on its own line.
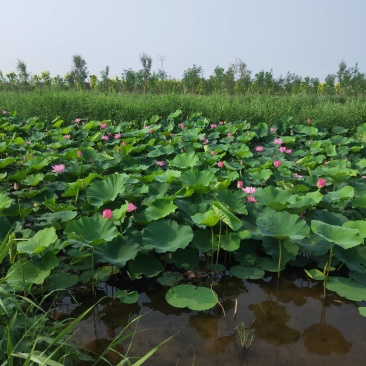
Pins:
<point x="68" y="105"/>
<point x="159" y="197"/>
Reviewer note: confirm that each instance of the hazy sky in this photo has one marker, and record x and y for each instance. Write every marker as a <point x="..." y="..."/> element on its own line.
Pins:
<point x="307" y="37"/>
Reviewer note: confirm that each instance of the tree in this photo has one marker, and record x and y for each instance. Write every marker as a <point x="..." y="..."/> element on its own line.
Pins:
<point x="104" y="83"/>
<point x="192" y="78"/>
<point x="23" y="74"/>
<point x="79" y="72"/>
<point x="146" y="62"/>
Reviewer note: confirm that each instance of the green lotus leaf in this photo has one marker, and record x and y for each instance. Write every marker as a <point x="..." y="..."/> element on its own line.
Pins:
<point x="166" y="236"/>
<point x="274" y="197"/>
<point x="357" y="277"/>
<point x="260" y="176"/>
<point x="234" y="200"/>
<point x="360" y="225"/>
<point x="185" y="160"/>
<point x="232" y="241"/>
<point x="269" y="265"/>
<point x="91" y="230"/>
<point x="331" y="150"/>
<point x="117" y="252"/>
<point x="342" y="236"/>
<point x="170" y="279"/>
<point x="253" y="273"/>
<point x="106" y="190"/>
<point x="61" y="280"/>
<point x="331" y="218"/>
<point x="187" y="259"/>
<point x="302" y="203"/>
<point x="127" y="297"/>
<point x="223" y="211"/>
<point x="282" y="225"/>
<point x="191" y="297"/>
<point x="166" y="176"/>
<point x="209" y="218"/>
<point x="5" y="201"/>
<point x="144" y="264"/>
<point x="362" y="310"/>
<point x="80" y="184"/>
<point x="160" y="150"/>
<point x="354" y="258"/>
<point x="347" y="288"/>
<point x="202" y="240"/>
<point x="315" y="274"/>
<point x="314" y="245"/>
<point x="306" y="130"/>
<point x="346" y="192"/>
<point x="37" y="162"/>
<point x="39" y="242"/>
<point x="199" y="180"/>
<point x="160" y="208"/>
<point x="33" y="179"/>
<point x="23" y="274"/>
<point x="8" y="161"/>
<point x="289" y="249"/>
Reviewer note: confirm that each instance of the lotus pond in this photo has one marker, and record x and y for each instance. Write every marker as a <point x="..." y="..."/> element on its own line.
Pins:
<point x="166" y="200"/>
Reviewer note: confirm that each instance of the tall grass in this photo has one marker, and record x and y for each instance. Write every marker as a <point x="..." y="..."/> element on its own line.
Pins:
<point x="328" y="111"/>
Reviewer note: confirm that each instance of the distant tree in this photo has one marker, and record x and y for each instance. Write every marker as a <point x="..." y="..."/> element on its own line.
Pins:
<point x="146" y="62"/>
<point x="104" y="82"/>
<point x="192" y="78"/>
<point x="23" y="75"/>
<point x="12" y="78"/>
<point x="79" y="72"/>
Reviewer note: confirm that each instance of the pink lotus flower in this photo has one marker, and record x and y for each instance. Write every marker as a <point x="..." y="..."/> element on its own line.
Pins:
<point x="249" y="190"/>
<point x="67" y="137"/>
<point x="16" y="186"/>
<point x="277" y="163"/>
<point x="298" y="176"/>
<point x="220" y="164"/>
<point x="206" y="141"/>
<point x="151" y="130"/>
<point x="103" y="125"/>
<point x="363" y="177"/>
<point x="308" y="120"/>
<point x="5" y="112"/>
<point x="282" y="148"/>
<point x="221" y="123"/>
<point x="123" y="143"/>
<point x="80" y="153"/>
<point x="239" y="184"/>
<point x="77" y="120"/>
<point x="117" y="136"/>
<point x="229" y="134"/>
<point x="60" y="168"/>
<point x="202" y="138"/>
<point x="131" y="207"/>
<point x="273" y="129"/>
<point x="105" y="137"/>
<point x="288" y="151"/>
<point x="321" y="183"/>
<point x="278" y="141"/>
<point x="181" y="125"/>
<point x="251" y="199"/>
<point x="212" y="152"/>
<point x="160" y="163"/>
<point x="107" y="213"/>
<point x="212" y="125"/>
<point x="259" y="148"/>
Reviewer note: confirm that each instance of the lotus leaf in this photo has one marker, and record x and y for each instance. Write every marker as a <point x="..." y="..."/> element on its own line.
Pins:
<point x="166" y="236"/>
<point x="342" y="236"/>
<point x="5" y="201"/>
<point x="160" y="208"/>
<point x="282" y="225"/>
<point x="185" y="160"/>
<point x="347" y="288"/>
<point x="144" y="264"/>
<point x="40" y="242"/>
<point x="253" y="273"/>
<point x="127" y="297"/>
<point x="106" y="190"/>
<point x="170" y="279"/>
<point x="91" y="230"/>
<point x="187" y="259"/>
<point x="191" y="297"/>
<point x="223" y="211"/>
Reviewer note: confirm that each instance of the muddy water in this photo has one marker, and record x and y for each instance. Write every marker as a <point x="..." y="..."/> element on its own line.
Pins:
<point x="291" y="326"/>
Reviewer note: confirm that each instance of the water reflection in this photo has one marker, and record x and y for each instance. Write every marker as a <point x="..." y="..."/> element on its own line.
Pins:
<point x="289" y="317"/>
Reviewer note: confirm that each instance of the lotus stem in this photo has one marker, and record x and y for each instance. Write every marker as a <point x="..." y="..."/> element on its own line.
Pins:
<point x="279" y="258"/>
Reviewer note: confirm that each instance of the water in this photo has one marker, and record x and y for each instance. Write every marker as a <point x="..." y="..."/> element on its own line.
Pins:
<point x="291" y="326"/>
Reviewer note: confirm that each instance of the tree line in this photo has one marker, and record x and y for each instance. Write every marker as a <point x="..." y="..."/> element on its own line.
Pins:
<point x="237" y="79"/>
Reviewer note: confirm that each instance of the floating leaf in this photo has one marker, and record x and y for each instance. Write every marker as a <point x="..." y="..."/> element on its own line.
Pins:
<point x="347" y="288"/>
<point x="253" y="273"/>
<point x="127" y="297"/>
<point x="191" y="297"/>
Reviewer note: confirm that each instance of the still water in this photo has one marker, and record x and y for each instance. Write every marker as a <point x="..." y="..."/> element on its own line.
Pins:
<point x="291" y="323"/>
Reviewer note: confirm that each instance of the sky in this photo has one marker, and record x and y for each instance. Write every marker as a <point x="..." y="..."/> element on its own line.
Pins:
<point x="305" y="37"/>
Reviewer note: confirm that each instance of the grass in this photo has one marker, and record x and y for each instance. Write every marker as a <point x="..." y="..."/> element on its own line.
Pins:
<point x="92" y="105"/>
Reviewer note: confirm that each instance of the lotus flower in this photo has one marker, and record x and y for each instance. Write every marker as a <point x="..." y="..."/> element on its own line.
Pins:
<point x="250" y="199"/>
<point x="160" y="163"/>
<point x="277" y="163"/>
<point x="131" y="207"/>
<point x="239" y="184"/>
<point x="105" y="138"/>
<point x="58" y="168"/>
<point x="220" y="164"/>
<point x="107" y="213"/>
<point x="321" y="183"/>
<point x="249" y="190"/>
<point x="278" y="141"/>
<point x="259" y="148"/>
<point x="103" y="125"/>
